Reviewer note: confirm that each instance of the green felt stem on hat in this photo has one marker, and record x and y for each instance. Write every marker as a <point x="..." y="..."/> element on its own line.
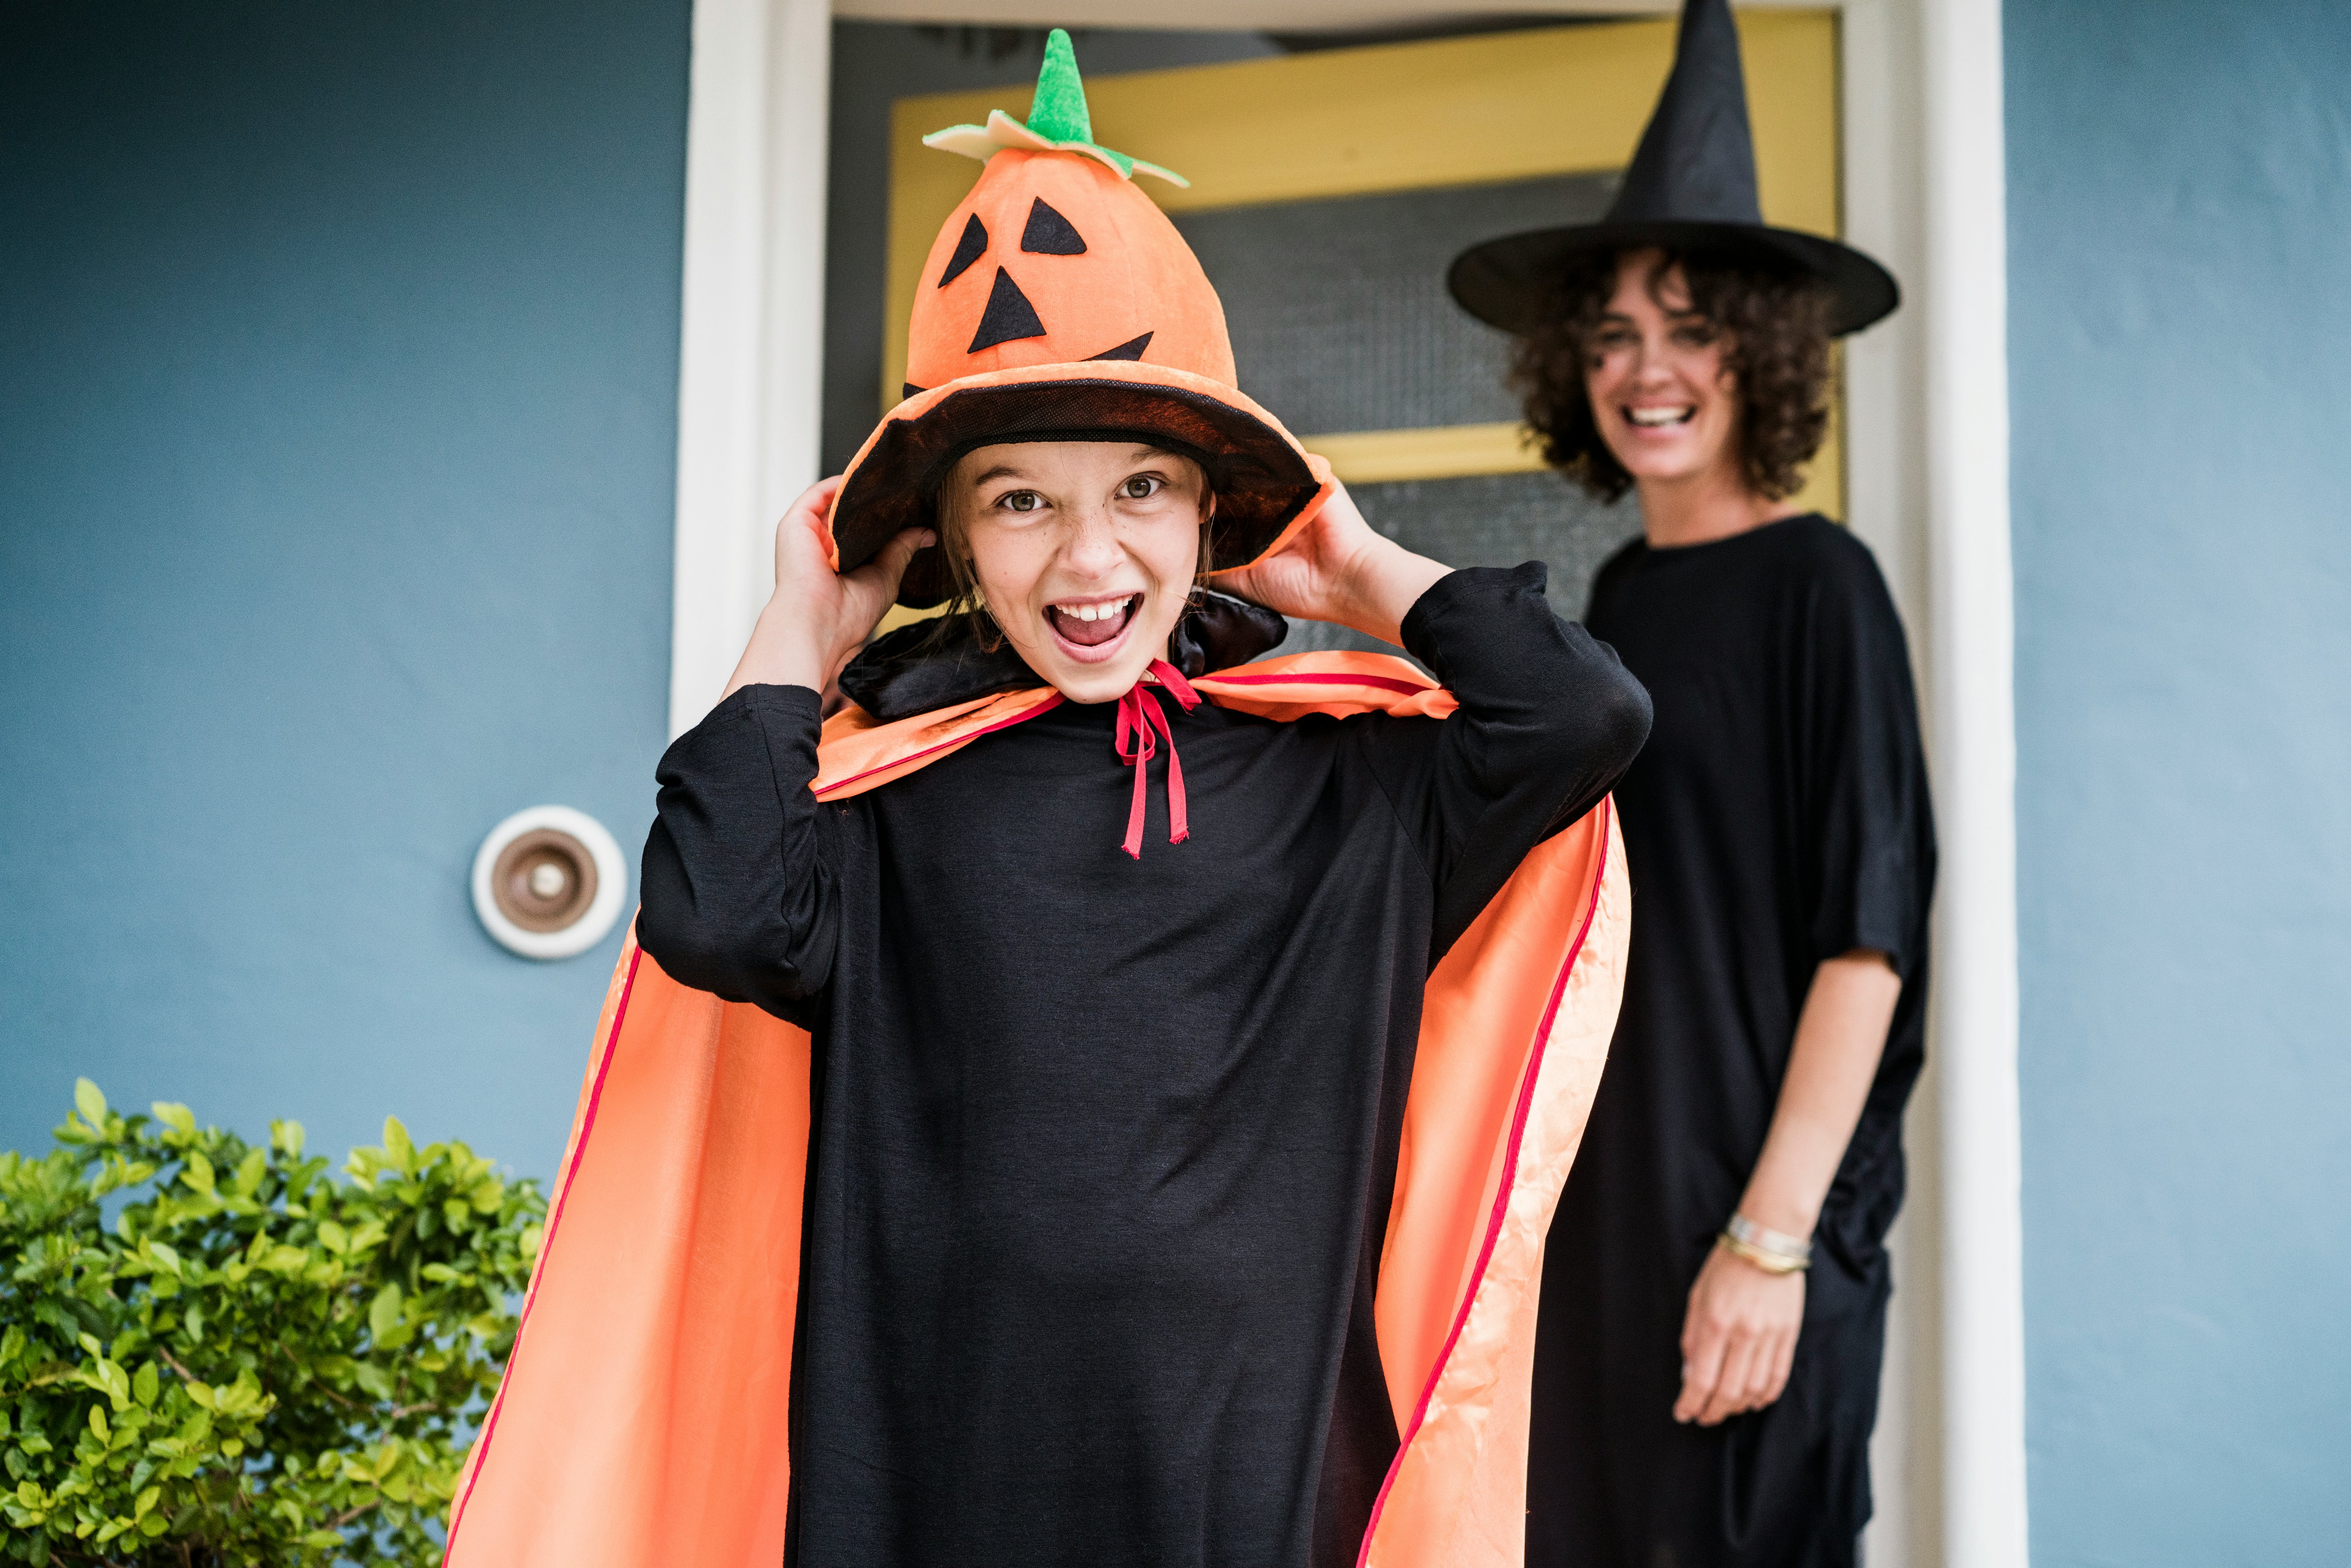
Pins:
<point x="1058" y="110"/>
<point x="1058" y="122"/>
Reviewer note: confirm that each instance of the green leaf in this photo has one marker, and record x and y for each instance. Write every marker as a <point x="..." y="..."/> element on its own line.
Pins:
<point x="249" y="1172"/>
<point x="396" y="1144"/>
<point x="334" y="1238"/>
<point x="383" y="1312"/>
<point x="90" y="1103"/>
<point x="458" y="1213"/>
<point x="147" y="1384"/>
<point x="98" y="1422"/>
<point x="199" y="1174"/>
<point x="177" y="1117"/>
<point x="288" y="1136"/>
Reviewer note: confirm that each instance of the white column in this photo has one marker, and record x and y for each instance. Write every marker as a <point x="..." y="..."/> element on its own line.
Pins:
<point x="1966" y="308"/>
<point x="750" y="358"/>
<point x="1886" y="506"/>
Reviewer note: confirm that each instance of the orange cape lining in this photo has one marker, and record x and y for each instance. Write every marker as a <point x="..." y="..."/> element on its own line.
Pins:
<point x="643" y="1414"/>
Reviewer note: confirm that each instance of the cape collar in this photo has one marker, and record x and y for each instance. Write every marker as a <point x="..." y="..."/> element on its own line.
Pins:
<point x="930" y="665"/>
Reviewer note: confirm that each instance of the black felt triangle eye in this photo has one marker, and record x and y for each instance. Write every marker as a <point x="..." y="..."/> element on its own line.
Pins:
<point x="1130" y="350"/>
<point x="1009" y="316"/>
<point x="968" y="249"/>
<point x="1050" y="234"/>
<point x="910" y="390"/>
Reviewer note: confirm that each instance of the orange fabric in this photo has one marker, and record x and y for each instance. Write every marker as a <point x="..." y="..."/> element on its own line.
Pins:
<point x="642" y="1418"/>
<point x="1136" y="275"/>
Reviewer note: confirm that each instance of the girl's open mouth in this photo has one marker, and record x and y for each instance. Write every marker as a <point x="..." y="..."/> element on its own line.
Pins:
<point x="1089" y="627"/>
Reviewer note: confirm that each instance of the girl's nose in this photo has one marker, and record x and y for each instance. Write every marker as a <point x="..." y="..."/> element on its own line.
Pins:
<point x="1092" y="549"/>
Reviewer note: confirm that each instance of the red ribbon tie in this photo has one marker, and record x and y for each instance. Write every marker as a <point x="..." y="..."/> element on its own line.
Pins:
<point x="1137" y="718"/>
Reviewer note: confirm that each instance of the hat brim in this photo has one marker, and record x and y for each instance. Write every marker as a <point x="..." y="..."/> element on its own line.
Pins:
<point x="1510" y="282"/>
<point x="1263" y="480"/>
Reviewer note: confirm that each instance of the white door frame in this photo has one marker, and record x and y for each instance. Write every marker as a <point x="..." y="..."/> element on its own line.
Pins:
<point x="1928" y="485"/>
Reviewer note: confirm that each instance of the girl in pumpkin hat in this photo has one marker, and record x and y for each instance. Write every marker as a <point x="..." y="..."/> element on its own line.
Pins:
<point x="1094" y="1099"/>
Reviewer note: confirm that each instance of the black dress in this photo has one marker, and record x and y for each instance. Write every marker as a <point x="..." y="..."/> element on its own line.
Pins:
<point x="1779" y="817"/>
<point x="1102" y="1147"/>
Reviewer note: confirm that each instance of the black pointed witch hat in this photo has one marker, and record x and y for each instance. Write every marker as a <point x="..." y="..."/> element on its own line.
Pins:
<point x="1690" y="187"/>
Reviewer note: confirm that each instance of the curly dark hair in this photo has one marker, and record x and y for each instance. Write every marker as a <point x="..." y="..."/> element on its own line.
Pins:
<point x="1775" y="325"/>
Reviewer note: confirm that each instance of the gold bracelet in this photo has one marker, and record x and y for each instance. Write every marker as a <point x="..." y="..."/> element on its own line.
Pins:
<point x="1770" y="1262"/>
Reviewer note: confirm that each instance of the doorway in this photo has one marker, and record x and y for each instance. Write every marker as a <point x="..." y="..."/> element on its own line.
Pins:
<point x="1329" y="190"/>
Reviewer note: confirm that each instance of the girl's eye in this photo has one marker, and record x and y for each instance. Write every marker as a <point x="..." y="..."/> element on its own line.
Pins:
<point x="1694" y="335"/>
<point x="1020" y="501"/>
<point x="1141" y="486"/>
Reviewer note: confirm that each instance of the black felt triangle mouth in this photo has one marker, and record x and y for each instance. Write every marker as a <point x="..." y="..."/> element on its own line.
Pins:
<point x="1130" y="350"/>
<point x="1008" y="316"/>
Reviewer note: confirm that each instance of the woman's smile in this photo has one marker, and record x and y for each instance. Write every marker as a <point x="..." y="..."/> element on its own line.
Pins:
<point x="1659" y="415"/>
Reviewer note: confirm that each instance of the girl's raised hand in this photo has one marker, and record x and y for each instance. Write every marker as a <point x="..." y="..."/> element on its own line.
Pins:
<point x="817" y="619"/>
<point x="1338" y="569"/>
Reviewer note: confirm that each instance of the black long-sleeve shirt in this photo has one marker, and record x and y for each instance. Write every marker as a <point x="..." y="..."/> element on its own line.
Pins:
<point x="1102" y="1147"/>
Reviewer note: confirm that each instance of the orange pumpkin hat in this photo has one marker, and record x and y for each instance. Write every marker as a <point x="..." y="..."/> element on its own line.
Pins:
<point x="1060" y="304"/>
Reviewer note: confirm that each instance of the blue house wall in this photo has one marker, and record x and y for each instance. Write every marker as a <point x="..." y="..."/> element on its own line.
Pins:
<point x="338" y="401"/>
<point x="2179" y="216"/>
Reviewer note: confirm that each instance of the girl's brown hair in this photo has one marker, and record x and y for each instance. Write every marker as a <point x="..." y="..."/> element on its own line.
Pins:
<point x="1776" y="329"/>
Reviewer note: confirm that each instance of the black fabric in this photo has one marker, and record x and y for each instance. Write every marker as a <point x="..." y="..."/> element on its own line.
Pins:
<point x="1259" y="476"/>
<point x="929" y="665"/>
<point x="907" y="390"/>
<point x="1048" y="233"/>
<point x="1778" y="818"/>
<point x="1100" y="1146"/>
<point x="1130" y="350"/>
<point x="970" y="245"/>
<point x="1696" y="162"/>
<point x="1008" y="316"/>
<point x="1219" y="631"/>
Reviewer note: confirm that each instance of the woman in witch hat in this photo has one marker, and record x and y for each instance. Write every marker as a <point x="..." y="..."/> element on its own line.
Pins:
<point x="1713" y="1311"/>
<point x="1093" y="1100"/>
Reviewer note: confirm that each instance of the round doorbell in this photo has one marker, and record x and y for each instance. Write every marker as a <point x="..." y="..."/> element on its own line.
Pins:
<point x="548" y="882"/>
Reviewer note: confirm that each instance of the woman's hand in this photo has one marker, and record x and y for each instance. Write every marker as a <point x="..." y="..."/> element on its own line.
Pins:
<point x="1337" y="568"/>
<point x="1738" y="1339"/>
<point x="817" y="617"/>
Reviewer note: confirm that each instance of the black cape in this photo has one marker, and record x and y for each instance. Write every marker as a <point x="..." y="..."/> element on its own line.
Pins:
<point x="1778" y="817"/>
<point x="1101" y="1147"/>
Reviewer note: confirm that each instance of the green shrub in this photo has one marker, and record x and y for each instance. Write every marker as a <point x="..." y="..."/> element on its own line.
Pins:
<point x="255" y="1363"/>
